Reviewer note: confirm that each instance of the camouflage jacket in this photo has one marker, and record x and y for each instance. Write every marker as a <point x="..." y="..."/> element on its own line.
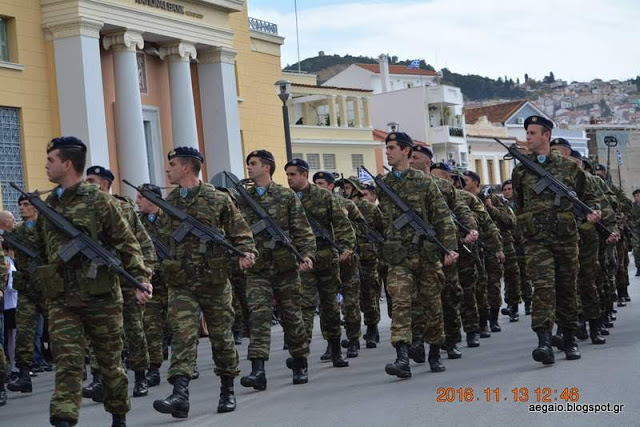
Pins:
<point x="322" y="206"/>
<point x="634" y="218"/>
<point x="608" y="213"/>
<point x="356" y="219"/>
<point x="422" y="194"/>
<point x="23" y="281"/>
<point x="282" y="205"/>
<point x="539" y="216"/>
<point x="486" y="227"/>
<point x="100" y="216"/>
<point x="153" y="224"/>
<point x="458" y="207"/>
<point x="503" y="217"/>
<point x="375" y="222"/>
<point x="139" y="230"/>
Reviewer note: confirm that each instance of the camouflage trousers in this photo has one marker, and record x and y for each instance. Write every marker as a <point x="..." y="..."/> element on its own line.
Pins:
<point x="636" y="247"/>
<point x="622" y="272"/>
<point x="262" y="286"/>
<point x="101" y="322"/>
<point x="606" y="279"/>
<point x="468" y="275"/>
<point x="370" y="291"/>
<point x="553" y="268"/>
<point x="321" y="284"/>
<point x="526" y="289"/>
<point x="155" y="320"/>
<point x="587" y="289"/>
<point x="27" y="319"/>
<point x="494" y="272"/>
<point x="240" y="305"/>
<point x="350" y="278"/>
<point x="419" y="279"/>
<point x="185" y="303"/>
<point x="3" y="366"/>
<point x="512" y="275"/>
<point x="481" y="291"/>
<point x="135" y="340"/>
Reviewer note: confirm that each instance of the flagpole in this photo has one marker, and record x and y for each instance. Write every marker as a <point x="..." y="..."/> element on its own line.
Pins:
<point x="295" y="5"/>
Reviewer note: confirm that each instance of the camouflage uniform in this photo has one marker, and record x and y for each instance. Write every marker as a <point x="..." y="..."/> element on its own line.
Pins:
<point x="240" y="305"/>
<point x="607" y="257"/>
<point x="323" y="281"/>
<point x="80" y="306"/>
<point x="524" y="292"/>
<point x="200" y="280"/>
<point x="275" y="272"/>
<point x="634" y="224"/>
<point x="416" y="264"/>
<point x="624" y="244"/>
<point x="552" y="241"/>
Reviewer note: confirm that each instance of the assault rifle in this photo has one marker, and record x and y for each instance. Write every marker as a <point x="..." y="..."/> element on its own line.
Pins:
<point x="322" y="233"/>
<point x="31" y="253"/>
<point x="548" y="181"/>
<point x="188" y="224"/>
<point x="162" y="250"/>
<point x="409" y="216"/>
<point x="80" y="243"/>
<point x="278" y="237"/>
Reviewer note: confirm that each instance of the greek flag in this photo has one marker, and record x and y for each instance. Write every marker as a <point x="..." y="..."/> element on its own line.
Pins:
<point x="364" y="176"/>
<point x="414" y="64"/>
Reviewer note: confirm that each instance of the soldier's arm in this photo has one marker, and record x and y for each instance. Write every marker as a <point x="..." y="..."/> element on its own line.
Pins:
<point x="608" y="214"/>
<point x="464" y="215"/>
<point x="502" y="215"/>
<point x="488" y="229"/>
<point x="342" y="230"/>
<point x="146" y="244"/>
<point x="358" y="221"/>
<point x="236" y="228"/>
<point x="439" y="216"/>
<point x="301" y="232"/>
<point x="585" y="191"/>
<point x="517" y="189"/>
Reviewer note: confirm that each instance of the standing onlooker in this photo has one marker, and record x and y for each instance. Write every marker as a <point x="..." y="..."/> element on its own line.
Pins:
<point x="10" y="304"/>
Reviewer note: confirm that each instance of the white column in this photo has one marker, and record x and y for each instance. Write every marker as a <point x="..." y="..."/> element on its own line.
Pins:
<point x="220" y="116"/>
<point x="496" y="170"/>
<point x="79" y="85"/>
<point x="344" y="113"/>
<point x="485" y="171"/>
<point x="357" y="104"/>
<point x="183" y="112"/>
<point x="366" y="111"/>
<point x="130" y="139"/>
<point x="333" y="119"/>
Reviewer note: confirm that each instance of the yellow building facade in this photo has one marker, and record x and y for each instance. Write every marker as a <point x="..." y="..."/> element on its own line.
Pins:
<point x="133" y="79"/>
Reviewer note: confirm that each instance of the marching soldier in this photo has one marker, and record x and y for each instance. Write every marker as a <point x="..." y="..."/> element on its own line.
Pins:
<point x="200" y="281"/>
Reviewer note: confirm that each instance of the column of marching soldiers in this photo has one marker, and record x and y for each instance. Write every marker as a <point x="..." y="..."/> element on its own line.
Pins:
<point x="433" y="239"/>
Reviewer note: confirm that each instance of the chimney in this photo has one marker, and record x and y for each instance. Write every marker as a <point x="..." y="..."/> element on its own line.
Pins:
<point x="393" y="127"/>
<point x="383" y="60"/>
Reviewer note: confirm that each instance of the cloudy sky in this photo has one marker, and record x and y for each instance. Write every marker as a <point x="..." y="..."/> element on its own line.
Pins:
<point x="576" y="39"/>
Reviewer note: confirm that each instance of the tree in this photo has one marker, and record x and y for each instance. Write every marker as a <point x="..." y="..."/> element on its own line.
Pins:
<point x="526" y="77"/>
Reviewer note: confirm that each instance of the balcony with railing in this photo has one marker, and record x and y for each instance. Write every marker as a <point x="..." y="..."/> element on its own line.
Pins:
<point x="263" y="26"/>
<point x="446" y="134"/>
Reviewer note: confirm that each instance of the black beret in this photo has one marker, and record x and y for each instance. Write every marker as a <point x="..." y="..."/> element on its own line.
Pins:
<point x="327" y="176"/>
<point x="185" y="152"/>
<point x="576" y="154"/>
<point x="424" y="150"/>
<point x="507" y="182"/>
<point x="474" y="176"/>
<point x="538" y="120"/>
<point x="442" y="166"/>
<point x="65" y="142"/>
<point x="101" y="172"/>
<point x="400" y="138"/>
<point x="600" y="167"/>
<point x="261" y="154"/>
<point x="587" y="164"/>
<point x="22" y="198"/>
<point x="153" y="188"/>
<point x="297" y="162"/>
<point x="560" y="141"/>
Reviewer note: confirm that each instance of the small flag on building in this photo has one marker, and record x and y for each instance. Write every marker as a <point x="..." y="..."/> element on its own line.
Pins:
<point x="414" y="64"/>
<point x="363" y="176"/>
<point x="619" y="157"/>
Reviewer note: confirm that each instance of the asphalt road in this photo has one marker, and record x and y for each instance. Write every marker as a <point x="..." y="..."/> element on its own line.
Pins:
<point x="364" y="395"/>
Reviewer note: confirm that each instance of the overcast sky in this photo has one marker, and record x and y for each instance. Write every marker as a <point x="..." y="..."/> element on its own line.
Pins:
<point x="576" y="39"/>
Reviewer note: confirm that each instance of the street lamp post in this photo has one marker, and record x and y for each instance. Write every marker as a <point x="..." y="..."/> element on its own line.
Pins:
<point x="284" y="92"/>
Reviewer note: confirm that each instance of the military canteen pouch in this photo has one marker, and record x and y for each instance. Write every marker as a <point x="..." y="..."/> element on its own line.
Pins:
<point x="53" y="283"/>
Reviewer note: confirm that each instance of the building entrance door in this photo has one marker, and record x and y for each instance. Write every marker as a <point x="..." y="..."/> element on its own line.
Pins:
<point x="153" y="142"/>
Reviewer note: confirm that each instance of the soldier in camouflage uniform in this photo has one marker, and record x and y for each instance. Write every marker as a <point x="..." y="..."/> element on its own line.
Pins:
<point x="549" y="225"/>
<point x="349" y="269"/>
<point x="369" y="252"/>
<point x="32" y="303"/>
<point x="155" y="318"/>
<point x="135" y="340"/>
<point x="275" y="272"/>
<point x="3" y="360"/>
<point x="421" y="159"/>
<point x="415" y="263"/>
<point x="200" y="281"/>
<point x="323" y="282"/>
<point x="634" y="224"/>
<point x="79" y="305"/>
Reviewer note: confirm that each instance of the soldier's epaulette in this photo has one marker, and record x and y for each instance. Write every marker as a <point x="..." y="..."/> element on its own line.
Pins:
<point x="124" y="199"/>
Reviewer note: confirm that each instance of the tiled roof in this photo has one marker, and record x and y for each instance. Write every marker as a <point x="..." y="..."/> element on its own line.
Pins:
<point x="397" y="69"/>
<point x="380" y="135"/>
<point x="498" y="113"/>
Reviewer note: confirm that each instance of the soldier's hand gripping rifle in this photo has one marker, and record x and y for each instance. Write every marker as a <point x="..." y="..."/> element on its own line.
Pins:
<point x="548" y="181"/>
<point x="188" y="224"/>
<point x="278" y="237"/>
<point x="409" y="216"/>
<point x="79" y="242"/>
<point x="31" y="253"/>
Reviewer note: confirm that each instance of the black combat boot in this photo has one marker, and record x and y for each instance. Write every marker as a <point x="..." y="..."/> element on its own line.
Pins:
<point x="607" y="323"/>
<point x="484" y="328"/>
<point x="544" y="352"/>
<point x="140" y="387"/>
<point x="603" y="331"/>
<point x="506" y="311"/>
<point x="227" y="402"/>
<point x="582" y="333"/>
<point x="153" y="375"/>
<point x="594" y="332"/>
<point x="372" y="336"/>
<point x="118" y="420"/>
<point x="557" y="340"/>
<point x="400" y="368"/>
<point x="434" y="359"/>
<point x="513" y="313"/>
<point x="622" y="302"/>
<point x="336" y="354"/>
<point x="473" y="339"/>
<point x="571" y="346"/>
<point x="527" y="308"/>
<point x="352" y="348"/>
<point x="300" y="367"/>
<point x="57" y="422"/>
<point x="237" y="337"/>
<point x="257" y="378"/>
<point x="3" y="394"/>
<point x="493" y="320"/>
<point x="23" y="382"/>
<point x="177" y="404"/>
<point x="453" y="352"/>
<point x="98" y="393"/>
<point x="195" y="373"/>
<point x="637" y="272"/>
<point x="416" y="351"/>
<point x="87" y="392"/>
<point x="326" y="356"/>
